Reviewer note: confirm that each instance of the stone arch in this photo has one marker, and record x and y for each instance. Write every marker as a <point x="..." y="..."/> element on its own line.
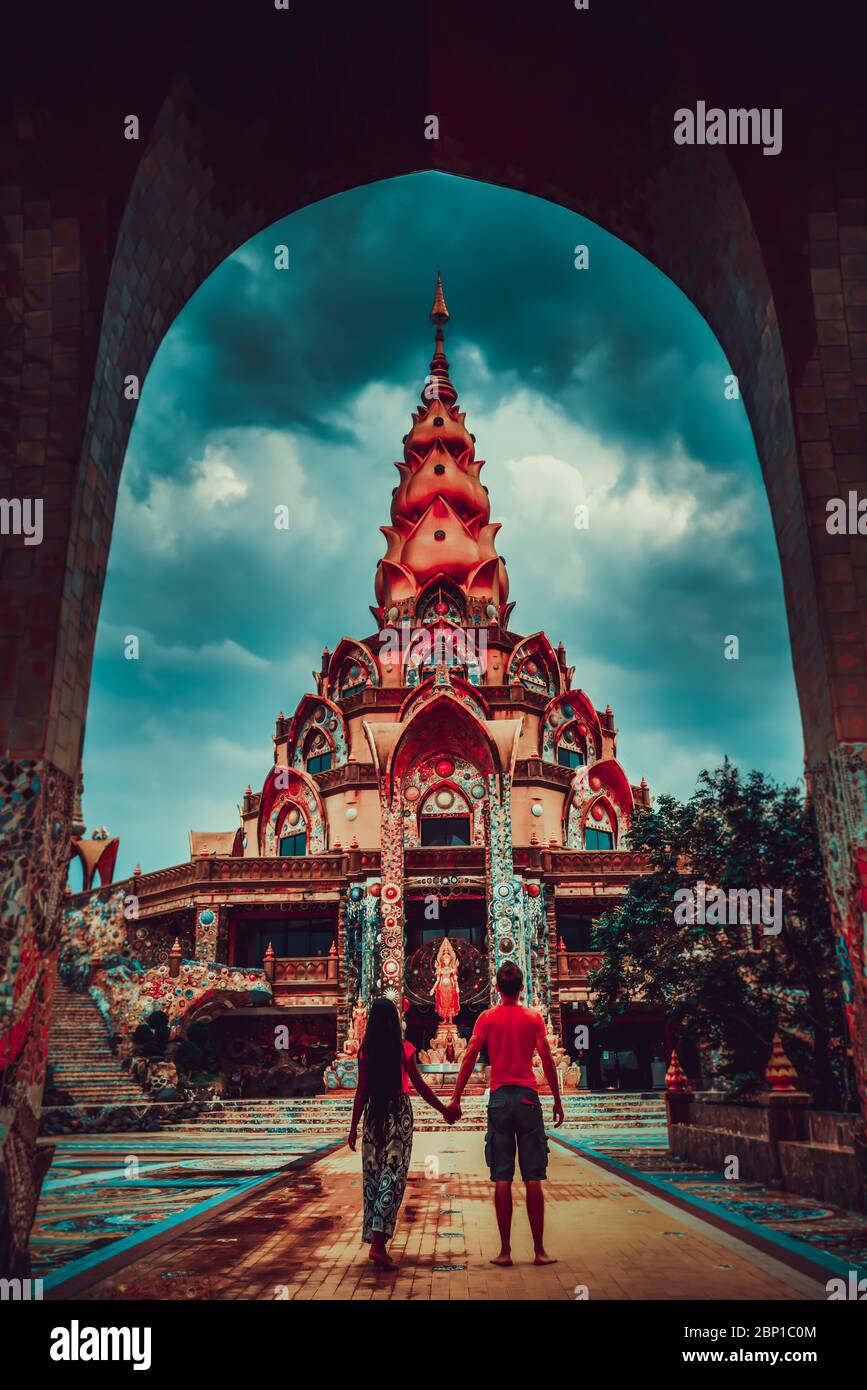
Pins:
<point x="347" y="654"/>
<point x="534" y="663"/>
<point x="603" y="781"/>
<point x="461" y="689"/>
<point x="768" y="250"/>
<point x="448" y="724"/>
<point x="316" y="714"/>
<point x="277" y="802"/>
<point x="567" y="710"/>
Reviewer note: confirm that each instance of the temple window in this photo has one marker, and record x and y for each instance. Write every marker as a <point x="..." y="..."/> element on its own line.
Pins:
<point x="353" y="677"/>
<point x="598" y="839"/>
<point x="576" y="933"/>
<point x="293" y="846"/>
<point x="570" y="757"/>
<point x="532" y="676"/>
<point x="445" y="830"/>
<point x="320" y="762"/>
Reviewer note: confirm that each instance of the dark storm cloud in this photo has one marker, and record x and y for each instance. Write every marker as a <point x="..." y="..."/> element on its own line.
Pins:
<point x="622" y="351"/>
<point x="296" y="387"/>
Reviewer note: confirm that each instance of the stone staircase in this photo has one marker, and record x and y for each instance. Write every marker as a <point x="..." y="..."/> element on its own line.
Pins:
<point x="599" y="1119"/>
<point x="82" y="1061"/>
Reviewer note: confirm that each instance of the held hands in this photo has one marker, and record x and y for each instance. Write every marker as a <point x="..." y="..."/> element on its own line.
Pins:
<point x="452" y="1112"/>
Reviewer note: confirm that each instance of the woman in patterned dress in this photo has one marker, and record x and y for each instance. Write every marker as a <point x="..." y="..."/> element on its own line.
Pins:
<point x="386" y="1067"/>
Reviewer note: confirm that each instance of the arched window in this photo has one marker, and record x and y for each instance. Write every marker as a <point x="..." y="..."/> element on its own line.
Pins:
<point x="353" y="677"/>
<point x="599" y="828"/>
<point x="292" y="838"/>
<point x="445" y="818"/>
<point x="318" y="755"/>
<point x="571" y="750"/>
<point x="532" y="674"/>
<point x="293" y="846"/>
<point x="445" y="830"/>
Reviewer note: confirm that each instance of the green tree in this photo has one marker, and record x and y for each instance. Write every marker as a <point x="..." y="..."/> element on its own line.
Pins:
<point x="729" y="986"/>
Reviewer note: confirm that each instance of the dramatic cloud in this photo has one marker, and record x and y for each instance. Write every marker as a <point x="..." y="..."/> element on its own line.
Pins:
<point x="600" y="388"/>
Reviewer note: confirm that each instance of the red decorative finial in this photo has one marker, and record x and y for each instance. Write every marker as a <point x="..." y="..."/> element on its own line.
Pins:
<point x="780" y="1074"/>
<point x="439" y="314"/>
<point x="675" y="1077"/>
<point x="439" y="366"/>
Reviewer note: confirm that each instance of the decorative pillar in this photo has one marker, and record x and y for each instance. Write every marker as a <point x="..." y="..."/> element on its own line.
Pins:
<point x="347" y="970"/>
<point x="361" y="927"/>
<point x="206" y="931"/>
<point x="506" y="917"/>
<point x="839" y="790"/>
<point x="268" y="960"/>
<point x="388" y="979"/>
<point x="222" y="942"/>
<point x="36" y="806"/>
<point x="538" y="992"/>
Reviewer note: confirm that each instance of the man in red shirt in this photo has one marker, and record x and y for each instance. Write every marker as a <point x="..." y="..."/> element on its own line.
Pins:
<point x="512" y="1034"/>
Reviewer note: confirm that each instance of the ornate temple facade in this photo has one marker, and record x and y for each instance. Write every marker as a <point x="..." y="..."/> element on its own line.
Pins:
<point x="446" y="777"/>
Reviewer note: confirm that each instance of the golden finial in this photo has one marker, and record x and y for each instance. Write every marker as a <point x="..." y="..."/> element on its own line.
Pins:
<point x="439" y="314"/>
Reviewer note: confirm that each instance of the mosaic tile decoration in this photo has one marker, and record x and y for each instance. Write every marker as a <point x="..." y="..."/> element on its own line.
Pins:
<point x="103" y="1188"/>
<point x="824" y="1228"/>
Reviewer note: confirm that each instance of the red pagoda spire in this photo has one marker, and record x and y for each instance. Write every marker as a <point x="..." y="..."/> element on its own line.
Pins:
<point x="440" y="516"/>
<point x="439" y="367"/>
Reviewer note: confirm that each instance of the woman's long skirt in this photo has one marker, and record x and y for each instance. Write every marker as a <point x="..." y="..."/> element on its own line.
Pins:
<point x="384" y="1169"/>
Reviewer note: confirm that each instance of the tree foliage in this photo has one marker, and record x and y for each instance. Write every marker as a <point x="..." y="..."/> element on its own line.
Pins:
<point x="730" y="986"/>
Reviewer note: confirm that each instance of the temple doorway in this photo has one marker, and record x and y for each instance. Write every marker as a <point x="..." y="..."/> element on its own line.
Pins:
<point x="464" y="921"/>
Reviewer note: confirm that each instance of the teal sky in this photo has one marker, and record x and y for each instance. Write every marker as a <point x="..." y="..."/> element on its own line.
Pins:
<point x="602" y="387"/>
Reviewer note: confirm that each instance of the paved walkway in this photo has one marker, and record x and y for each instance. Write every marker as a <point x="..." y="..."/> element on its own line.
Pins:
<point x="301" y="1240"/>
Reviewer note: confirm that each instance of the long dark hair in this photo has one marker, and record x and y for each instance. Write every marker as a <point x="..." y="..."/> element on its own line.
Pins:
<point x="382" y="1050"/>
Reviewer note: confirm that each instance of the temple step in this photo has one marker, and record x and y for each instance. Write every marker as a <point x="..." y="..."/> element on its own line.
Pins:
<point x="83" y="1065"/>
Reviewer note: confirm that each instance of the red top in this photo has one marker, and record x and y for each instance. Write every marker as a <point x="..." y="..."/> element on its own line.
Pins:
<point x="511" y="1034"/>
<point x="407" y="1051"/>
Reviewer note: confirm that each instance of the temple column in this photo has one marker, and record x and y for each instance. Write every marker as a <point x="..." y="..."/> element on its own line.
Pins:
<point x="390" y="963"/>
<point x="506" y="917"/>
<point x="34" y="858"/>
<point x="839" y="790"/>
<point x="207" y="927"/>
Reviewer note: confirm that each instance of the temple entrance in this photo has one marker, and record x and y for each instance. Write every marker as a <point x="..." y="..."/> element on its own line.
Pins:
<point x="629" y="1055"/>
<point x="464" y="921"/>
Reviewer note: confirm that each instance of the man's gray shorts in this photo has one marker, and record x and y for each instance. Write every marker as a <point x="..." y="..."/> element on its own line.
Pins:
<point x="515" y="1119"/>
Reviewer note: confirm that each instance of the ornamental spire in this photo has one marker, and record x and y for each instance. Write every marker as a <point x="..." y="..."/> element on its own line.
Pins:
<point x="441" y="537"/>
<point x="439" y="367"/>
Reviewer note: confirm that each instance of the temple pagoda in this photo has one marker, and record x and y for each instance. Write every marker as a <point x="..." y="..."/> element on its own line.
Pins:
<point x="445" y="776"/>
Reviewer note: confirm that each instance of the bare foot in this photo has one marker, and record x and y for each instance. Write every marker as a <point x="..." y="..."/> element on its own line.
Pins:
<point x="381" y="1258"/>
<point x="504" y="1259"/>
<point x="543" y="1259"/>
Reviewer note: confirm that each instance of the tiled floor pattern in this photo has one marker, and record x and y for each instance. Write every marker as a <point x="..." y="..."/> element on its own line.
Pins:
<point x="102" y="1188"/>
<point x="820" y="1225"/>
<point x="301" y="1240"/>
